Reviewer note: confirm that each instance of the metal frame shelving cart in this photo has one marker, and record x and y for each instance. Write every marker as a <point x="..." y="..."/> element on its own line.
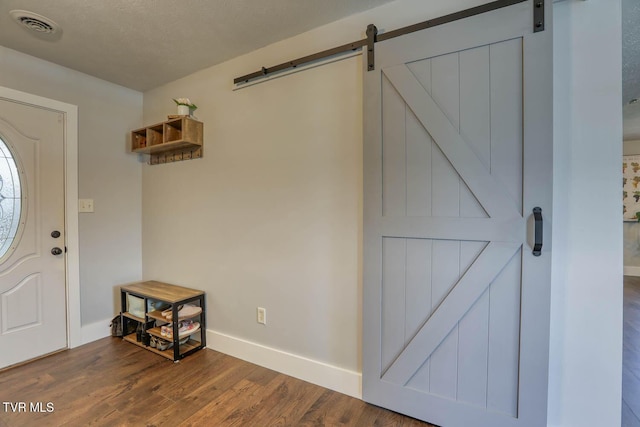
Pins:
<point x="174" y="296"/>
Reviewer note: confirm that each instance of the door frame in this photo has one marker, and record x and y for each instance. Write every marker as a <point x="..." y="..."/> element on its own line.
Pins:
<point x="70" y="113"/>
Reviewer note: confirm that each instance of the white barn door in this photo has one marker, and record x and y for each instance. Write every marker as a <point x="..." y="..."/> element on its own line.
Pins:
<point x="458" y="152"/>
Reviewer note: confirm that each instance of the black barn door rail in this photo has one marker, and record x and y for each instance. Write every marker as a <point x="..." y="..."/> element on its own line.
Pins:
<point x="373" y="37"/>
<point x="304" y="60"/>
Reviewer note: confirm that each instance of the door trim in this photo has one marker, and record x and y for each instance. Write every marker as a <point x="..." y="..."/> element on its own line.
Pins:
<point x="70" y="113"/>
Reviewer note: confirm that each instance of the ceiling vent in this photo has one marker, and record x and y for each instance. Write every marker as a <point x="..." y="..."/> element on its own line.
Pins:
<point x="34" y="22"/>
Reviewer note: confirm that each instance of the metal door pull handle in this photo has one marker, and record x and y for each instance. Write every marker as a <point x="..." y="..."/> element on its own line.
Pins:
<point x="537" y="244"/>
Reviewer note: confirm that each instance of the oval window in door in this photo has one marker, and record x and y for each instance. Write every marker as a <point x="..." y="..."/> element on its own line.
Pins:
<point x="10" y="201"/>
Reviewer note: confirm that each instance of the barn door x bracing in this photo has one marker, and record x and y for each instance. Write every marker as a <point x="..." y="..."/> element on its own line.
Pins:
<point x="458" y="152"/>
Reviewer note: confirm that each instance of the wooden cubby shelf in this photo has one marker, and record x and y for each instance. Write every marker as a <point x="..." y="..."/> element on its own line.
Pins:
<point x="169" y="141"/>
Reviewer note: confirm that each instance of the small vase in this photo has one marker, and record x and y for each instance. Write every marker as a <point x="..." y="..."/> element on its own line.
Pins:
<point x="183" y="110"/>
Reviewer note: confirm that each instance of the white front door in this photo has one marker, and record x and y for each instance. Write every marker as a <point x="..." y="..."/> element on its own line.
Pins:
<point x="458" y="153"/>
<point x="32" y="235"/>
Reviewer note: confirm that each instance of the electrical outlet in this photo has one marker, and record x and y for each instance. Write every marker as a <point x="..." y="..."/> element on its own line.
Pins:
<point x="262" y="315"/>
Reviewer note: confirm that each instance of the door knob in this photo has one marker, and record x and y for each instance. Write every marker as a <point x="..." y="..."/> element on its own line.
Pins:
<point x="56" y="251"/>
<point x="55" y="234"/>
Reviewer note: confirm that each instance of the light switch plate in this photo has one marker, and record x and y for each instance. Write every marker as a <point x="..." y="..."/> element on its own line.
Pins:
<point x="85" y="205"/>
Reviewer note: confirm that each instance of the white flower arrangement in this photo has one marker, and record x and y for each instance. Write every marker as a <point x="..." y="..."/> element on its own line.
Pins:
<point x="185" y="101"/>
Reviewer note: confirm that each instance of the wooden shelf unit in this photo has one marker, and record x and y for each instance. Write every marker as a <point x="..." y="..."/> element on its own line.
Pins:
<point x="185" y="349"/>
<point x="173" y="296"/>
<point x="170" y="141"/>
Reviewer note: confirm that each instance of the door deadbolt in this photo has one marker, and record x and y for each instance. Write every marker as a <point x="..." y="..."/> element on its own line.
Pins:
<point x="55" y="234"/>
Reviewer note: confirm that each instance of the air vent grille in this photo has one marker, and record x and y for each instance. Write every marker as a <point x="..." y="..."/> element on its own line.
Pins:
<point x="34" y="22"/>
<point x="36" y="25"/>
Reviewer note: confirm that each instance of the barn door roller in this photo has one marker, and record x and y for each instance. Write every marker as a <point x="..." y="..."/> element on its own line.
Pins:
<point x="373" y="37"/>
<point x="538" y="15"/>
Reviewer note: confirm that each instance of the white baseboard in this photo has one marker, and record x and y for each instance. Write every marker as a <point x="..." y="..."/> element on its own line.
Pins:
<point x="319" y="373"/>
<point x="631" y="271"/>
<point x="95" y="331"/>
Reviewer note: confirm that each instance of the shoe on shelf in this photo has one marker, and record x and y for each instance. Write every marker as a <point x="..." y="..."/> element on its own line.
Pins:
<point x="189" y="310"/>
<point x="167" y="331"/>
<point x="154" y="342"/>
<point x="168" y="313"/>
<point x="188" y="328"/>
<point x="163" y="344"/>
<point x="184" y="311"/>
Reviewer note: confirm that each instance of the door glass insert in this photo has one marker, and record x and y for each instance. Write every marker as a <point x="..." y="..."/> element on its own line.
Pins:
<point x="10" y="201"/>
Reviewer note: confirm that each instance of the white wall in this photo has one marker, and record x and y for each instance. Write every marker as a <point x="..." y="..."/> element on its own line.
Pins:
<point x="271" y="216"/>
<point x="586" y="312"/>
<point x="110" y="238"/>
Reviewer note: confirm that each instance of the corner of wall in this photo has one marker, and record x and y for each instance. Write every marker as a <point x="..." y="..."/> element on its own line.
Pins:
<point x="95" y="331"/>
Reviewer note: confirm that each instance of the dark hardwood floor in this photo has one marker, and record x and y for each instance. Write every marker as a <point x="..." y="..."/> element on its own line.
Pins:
<point x="113" y="383"/>
<point x="631" y="353"/>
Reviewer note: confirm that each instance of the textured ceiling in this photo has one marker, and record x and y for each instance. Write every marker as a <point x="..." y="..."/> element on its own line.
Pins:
<point x="142" y="44"/>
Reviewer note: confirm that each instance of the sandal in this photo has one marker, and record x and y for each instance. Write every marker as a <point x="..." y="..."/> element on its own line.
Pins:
<point x="168" y="313"/>
<point x="189" y="310"/>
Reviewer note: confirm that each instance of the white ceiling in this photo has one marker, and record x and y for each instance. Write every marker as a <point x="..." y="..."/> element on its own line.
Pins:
<point x="142" y="44"/>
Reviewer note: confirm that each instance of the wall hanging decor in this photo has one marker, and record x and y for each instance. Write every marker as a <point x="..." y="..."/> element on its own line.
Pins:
<point x="631" y="188"/>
